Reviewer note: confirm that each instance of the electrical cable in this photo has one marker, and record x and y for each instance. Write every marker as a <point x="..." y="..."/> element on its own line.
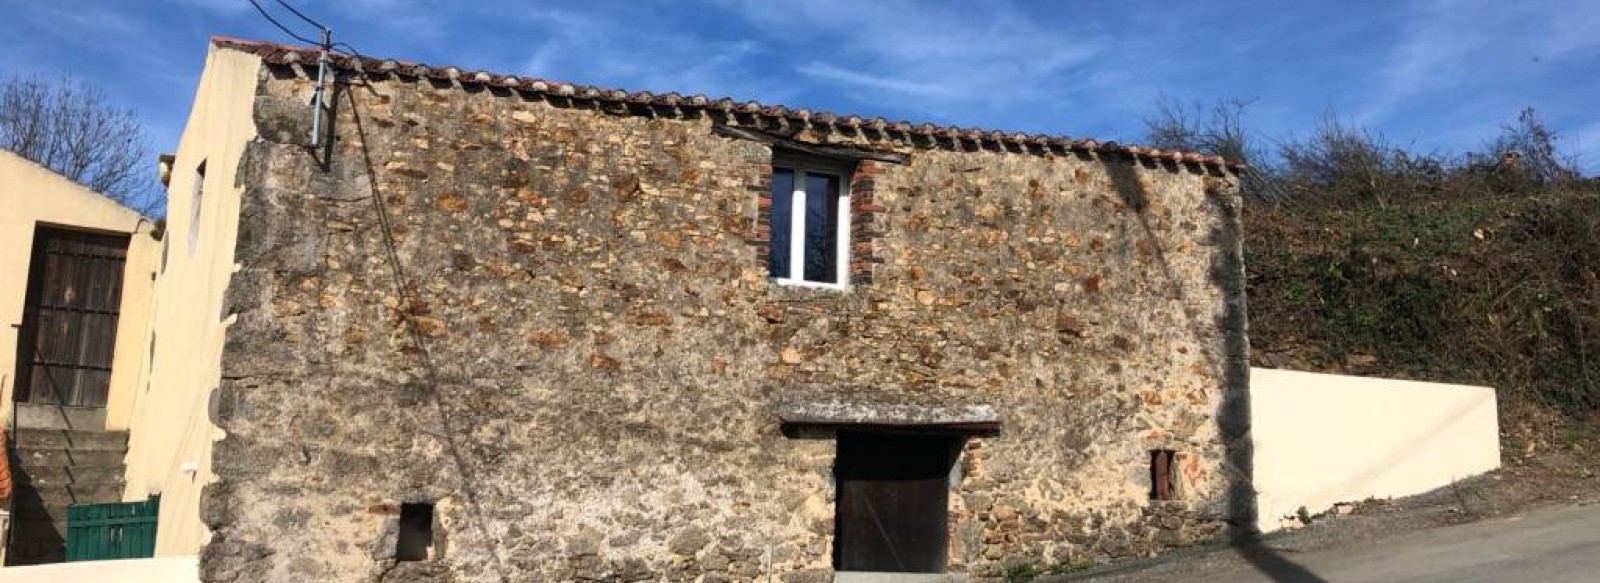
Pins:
<point x="353" y="51"/>
<point x="302" y="16"/>
<point x="280" y="25"/>
<point x="346" y="46"/>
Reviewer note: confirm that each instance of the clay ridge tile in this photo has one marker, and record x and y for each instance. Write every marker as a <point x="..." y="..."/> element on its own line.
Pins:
<point x="283" y="55"/>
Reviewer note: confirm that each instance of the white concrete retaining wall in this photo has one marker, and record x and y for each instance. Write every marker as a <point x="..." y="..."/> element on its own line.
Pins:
<point x="1323" y="439"/>
<point x="162" y="570"/>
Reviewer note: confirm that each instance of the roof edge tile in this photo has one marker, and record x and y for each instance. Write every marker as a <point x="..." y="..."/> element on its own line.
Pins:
<point x="284" y="55"/>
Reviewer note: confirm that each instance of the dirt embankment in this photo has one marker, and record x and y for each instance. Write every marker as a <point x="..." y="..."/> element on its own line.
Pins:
<point x="1488" y="290"/>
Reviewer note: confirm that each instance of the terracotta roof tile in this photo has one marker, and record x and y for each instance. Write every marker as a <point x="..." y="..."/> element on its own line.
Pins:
<point x="279" y="54"/>
<point x="5" y="469"/>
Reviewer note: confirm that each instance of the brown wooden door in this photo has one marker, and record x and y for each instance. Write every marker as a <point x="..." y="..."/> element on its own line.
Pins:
<point x="893" y="502"/>
<point x="69" y="324"/>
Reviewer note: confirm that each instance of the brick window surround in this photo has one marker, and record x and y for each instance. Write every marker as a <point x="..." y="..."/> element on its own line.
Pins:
<point x="864" y="220"/>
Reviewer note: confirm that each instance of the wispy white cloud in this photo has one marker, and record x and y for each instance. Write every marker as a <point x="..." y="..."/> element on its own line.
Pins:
<point x="99" y="21"/>
<point x="1441" y="73"/>
<point x="1584" y="144"/>
<point x="418" y="19"/>
<point x="609" y="50"/>
<point x="222" y="6"/>
<point x="1444" y="44"/>
<point x="828" y="72"/>
<point x="936" y="54"/>
<point x="415" y="19"/>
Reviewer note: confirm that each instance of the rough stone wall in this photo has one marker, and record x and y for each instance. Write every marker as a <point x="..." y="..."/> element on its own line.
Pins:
<point x="555" y="323"/>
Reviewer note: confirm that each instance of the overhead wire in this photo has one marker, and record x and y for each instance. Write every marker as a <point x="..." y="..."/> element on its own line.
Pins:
<point x="352" y="50"/>
<point x="285" y="29"/>
<point x="322" y="60"/>
<point x="402" y="282"/>
<point x="313" y="22"/>
<point x="302" y="15"/>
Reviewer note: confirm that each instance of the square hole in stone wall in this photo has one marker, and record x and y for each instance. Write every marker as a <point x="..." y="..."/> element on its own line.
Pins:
<point x="416" y="532"/>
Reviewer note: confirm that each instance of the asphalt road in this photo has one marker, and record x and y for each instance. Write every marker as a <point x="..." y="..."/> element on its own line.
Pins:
<point x="1549" y="545"/>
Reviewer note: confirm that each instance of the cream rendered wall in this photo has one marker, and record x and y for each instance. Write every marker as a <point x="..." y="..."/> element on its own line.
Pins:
<point x="164" y="570"/>
<point x="171" y="425"/>
<point x="1323" y="439"/>
<point x="30" y="195"/>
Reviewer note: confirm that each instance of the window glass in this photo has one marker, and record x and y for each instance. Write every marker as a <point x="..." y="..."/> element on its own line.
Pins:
<point x="821" y="244"/>
<point x="782" y="201"/>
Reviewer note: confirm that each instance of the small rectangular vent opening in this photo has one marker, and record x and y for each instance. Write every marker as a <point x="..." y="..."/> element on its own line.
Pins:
<point x="1163" y="481"/>
<point x="416" y="532"/>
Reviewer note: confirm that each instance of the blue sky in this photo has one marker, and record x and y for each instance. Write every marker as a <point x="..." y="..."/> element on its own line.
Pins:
<point x="1439" y="75"/>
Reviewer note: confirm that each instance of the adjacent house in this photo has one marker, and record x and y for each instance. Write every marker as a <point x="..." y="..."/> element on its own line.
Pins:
<point x="477" y="327"/>
<point x="108" y="359"/>
<point x="76" y="273"/>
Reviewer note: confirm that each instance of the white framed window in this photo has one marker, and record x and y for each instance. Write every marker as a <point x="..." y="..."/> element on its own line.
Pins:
<point x="810" y="222"/>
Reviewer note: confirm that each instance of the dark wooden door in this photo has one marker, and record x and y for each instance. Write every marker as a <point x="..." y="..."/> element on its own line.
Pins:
<point x="69" y="323"/>
<point x="893" y="502"/>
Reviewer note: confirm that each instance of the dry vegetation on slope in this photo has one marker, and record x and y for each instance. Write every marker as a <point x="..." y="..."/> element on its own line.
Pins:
<point x="1368" y="258"/>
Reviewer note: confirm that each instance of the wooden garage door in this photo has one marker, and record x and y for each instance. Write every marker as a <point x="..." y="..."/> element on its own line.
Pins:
<point x="69" y="323"/>
<point x="893" y="502"/>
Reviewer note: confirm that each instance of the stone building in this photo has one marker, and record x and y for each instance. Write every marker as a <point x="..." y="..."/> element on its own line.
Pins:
<point x="489" y="328"/>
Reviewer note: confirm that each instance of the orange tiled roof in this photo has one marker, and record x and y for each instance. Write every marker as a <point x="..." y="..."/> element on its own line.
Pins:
<point x="280" y="54"/>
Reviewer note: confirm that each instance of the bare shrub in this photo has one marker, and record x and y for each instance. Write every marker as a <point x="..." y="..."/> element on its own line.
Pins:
<point x="1344" y="162"/>
<point x="72" y="128"/>
<point x="1525" y="153"/>
<point x="1218" y="131"/>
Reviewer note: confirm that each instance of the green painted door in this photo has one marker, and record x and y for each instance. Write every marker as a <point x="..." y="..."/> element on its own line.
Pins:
<point x="97" y="532"/>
